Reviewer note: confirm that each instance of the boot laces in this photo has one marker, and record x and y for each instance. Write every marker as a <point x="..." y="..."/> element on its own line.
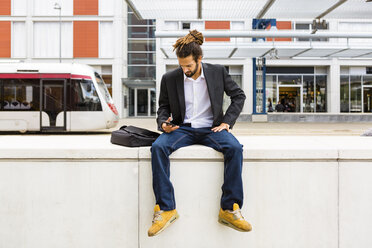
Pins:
<point x="237" y="214"/>
<point x="157" y="216"/>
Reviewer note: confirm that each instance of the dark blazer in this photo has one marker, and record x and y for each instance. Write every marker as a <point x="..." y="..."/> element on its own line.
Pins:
<point x="172" y="96"/>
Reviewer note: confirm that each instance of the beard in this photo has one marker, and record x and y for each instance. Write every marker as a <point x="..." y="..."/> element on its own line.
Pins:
<point x="192" y="73"/>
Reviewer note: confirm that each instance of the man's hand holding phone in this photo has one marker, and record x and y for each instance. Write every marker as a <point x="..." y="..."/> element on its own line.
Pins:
<point x="168" y="127"/>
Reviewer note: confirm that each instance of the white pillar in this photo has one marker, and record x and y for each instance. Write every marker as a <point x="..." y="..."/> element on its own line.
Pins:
<point x="30" y="32"/>
<point x="160" y="63"/>
<point x="333" y="87"/>
<point x="119" y="55"/>
<point x="248" y="75"/>
<point x="248" y="86"/>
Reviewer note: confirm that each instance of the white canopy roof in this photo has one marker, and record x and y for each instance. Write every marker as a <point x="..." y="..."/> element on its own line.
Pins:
<point x="278" y="9"/>
<point x="247" y="9"/>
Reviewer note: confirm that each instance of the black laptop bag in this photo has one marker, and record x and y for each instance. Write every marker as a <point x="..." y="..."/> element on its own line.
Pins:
<point x="133" y="136"/>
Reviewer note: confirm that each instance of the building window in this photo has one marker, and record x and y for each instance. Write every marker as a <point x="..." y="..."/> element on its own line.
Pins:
<point x="142" y="58"/>
<point x="321" y="93"/>
<point x="309" y="26"/>
<point x="141" y="45"/>
<point x="186" y="25"/>
<point x="308" y="93"/>
<point x="141" y="71"/>
<point x="344" y="94"/>
<point x="141" y="31"/>
<point x="356" y="93"/>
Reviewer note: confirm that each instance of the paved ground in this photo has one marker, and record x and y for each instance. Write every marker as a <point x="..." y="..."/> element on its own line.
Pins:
<point x="245" y="128"/>
<point x="249" y="128"/>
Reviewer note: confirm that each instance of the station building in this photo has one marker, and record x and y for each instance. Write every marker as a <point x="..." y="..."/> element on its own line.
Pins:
<point x="317" y="79"/>
<point x="325" y="78"/>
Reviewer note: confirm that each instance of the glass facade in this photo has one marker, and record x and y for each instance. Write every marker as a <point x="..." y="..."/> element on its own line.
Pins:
<point x="344" y="94"/>
<point x="271" y="92"/>
<point x="142" y="102"/>
<point x="321" y="93"/>
<point x="298" y="93"/>
<point x="141" y="71"/>
<point x="141" y="66"/>
<point x="367" y="97"/>
<point x="308" y="96"/>
<point x="356" y="94"/>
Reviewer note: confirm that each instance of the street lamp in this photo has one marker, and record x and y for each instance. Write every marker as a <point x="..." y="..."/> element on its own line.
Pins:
<point x="57" y="6"/>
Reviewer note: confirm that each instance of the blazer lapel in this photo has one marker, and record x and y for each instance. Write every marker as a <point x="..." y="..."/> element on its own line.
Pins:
<point x="181" y="93"/>
<point x="209" y="78"/>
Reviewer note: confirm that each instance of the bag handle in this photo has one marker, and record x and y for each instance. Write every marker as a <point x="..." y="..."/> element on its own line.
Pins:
<point x="139" y="131"/>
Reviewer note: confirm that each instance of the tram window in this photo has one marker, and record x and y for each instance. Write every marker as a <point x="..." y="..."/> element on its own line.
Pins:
<point x="102" y="87"/>
<point x="21" y="95"/>
<point x="84" y="96"/>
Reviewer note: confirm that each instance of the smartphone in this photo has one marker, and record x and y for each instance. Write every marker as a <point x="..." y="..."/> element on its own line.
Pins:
<point x="169" y="124"/>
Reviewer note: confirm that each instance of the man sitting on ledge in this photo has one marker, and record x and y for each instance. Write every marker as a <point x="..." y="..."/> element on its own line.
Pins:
<point x="193" y="96"/>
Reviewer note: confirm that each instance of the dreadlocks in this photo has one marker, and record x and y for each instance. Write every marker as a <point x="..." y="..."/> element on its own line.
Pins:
<point x="189" y="45"/>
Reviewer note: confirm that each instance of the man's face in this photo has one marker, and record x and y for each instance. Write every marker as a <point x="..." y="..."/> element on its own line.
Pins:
<point x="189" y="65"/>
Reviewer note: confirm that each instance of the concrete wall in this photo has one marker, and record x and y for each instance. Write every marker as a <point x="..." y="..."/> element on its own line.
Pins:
<point x="81" y="191"/>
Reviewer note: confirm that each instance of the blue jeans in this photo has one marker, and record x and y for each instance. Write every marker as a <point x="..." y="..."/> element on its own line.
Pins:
<point x="225" y="142"/>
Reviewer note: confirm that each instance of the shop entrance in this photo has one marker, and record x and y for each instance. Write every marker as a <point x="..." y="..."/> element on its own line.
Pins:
<point x="142" y="102"/>
<point x="290" y="97"/>
<point x="367" y="99"/>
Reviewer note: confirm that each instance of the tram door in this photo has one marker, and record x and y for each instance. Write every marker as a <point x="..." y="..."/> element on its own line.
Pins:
<point x="53" y="105"/>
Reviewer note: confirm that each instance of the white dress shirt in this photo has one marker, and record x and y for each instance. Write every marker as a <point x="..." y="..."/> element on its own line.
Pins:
<point x="197" y="102"/>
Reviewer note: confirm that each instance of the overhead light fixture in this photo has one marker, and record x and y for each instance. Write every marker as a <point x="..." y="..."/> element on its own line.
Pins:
<point x="318" y="24"/>
<point x="314" y="29"/>
<point x="273" y="54"/>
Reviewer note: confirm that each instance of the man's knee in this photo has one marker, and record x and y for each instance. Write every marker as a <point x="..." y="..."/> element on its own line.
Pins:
<point x="159" y="145"/>
<point x="235" y="147"/>
<point x="156" y="146"/>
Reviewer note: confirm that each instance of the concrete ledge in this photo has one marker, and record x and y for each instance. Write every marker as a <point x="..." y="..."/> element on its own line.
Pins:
<point x="82" y="191"/>
<point x="63" y="147"/>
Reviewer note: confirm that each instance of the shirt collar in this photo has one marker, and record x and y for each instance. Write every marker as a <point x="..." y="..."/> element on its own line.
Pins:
<point x="201" y="74"/>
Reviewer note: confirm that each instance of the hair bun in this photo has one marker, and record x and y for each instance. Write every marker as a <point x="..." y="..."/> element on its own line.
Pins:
<point x="192" y="36"/>
<point x="198" y="37"/>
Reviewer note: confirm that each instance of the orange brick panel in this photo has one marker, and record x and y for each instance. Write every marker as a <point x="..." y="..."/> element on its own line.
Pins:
<point x="85" y="39"/>
<point x="217" y="39"/>
<point x="5" y="39"/>
<point x="219" y="25"/>
<point x="5" y="7"/>
<point x="282" y="25"/>
<point x="86" y="7"/>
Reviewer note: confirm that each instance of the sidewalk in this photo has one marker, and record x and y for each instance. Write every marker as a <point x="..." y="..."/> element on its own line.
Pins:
<point x="249" y="128"/>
